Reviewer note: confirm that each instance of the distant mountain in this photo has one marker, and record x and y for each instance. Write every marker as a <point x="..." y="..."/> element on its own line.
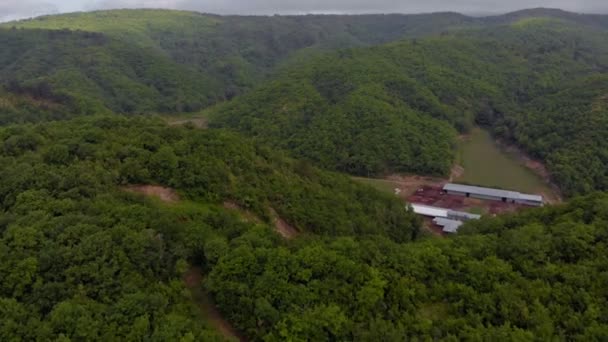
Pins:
<point x="220" y="57"/>
<point x="590" y="20"/>
<point x="174" y="61"/>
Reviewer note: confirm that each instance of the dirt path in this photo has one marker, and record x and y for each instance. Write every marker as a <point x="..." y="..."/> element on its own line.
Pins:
<point x="193" y="280"/>
<point x="281" y="226"/>
<point x="194" y="277"/>
<point x="165" y="194"/>
<point x="245" y="214"/>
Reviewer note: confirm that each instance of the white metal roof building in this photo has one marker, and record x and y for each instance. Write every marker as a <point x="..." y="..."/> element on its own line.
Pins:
<point x="429" y="211"/>
<point x="449" y="226"/>
<point x="493" y="194"/>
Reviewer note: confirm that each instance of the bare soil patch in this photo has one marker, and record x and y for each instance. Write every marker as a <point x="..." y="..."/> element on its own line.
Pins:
<point x="201" y="123"/>
<point x="282" y="227"/>
<point x="165" y="194"/>
<point x="434" y="196"/>
<point x="245" y="214"/>
<point x="410" y="184"/>
<point x="193" y="280"/>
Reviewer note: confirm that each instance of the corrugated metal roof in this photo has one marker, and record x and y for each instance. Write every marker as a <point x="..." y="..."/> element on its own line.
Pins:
<point x="533" y="198"/>
<point x="463" y="214"/>
<point x="429" y="211"/>
<point x="449" y="226"/>
<point x="491" y="192"/>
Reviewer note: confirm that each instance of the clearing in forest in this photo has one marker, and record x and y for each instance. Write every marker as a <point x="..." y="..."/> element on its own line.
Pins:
<point x="198" y="120"/>
<point x="286" y="230"/>
<point x="165" y="194"/>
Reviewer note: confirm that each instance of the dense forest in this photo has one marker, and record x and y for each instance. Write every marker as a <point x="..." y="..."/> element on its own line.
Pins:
<point x="94" y="73"/>
<point x="540" y="275"/>
<point x="171" y="61"/>
<point x="86" y="261"/>
<point x="384" y="109"/>
<point x="291" y="101"/>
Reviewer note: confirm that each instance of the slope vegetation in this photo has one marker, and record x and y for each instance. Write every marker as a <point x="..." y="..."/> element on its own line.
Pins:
<point x="82" y="259"/>
<point x="539" y="275"/>
<point x="383" y="109"/>
<point x="201" y="59"/>
<point x="97" y="72"/>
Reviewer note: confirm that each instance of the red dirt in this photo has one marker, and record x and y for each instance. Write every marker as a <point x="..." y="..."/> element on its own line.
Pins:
<point x="193" y="280"/>
<point x="165" y="194"/>
<point x="434" y="196"/>
<point x="408" y="185"/>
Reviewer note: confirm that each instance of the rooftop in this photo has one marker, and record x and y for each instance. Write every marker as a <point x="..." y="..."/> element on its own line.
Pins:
<point x="491" y="192"/>
<point x="449" y="226"/>
<point x="426" y="210"/>
<point x="463" y="214"/>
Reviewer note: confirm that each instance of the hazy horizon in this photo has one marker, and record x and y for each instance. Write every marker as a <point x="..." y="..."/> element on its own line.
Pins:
<point x="31" y="8"/>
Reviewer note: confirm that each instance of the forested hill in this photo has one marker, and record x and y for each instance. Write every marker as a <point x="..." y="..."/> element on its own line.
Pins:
<point x="92" y="72"/>
<point x="84" y="260"/>
<point x="365" y="110"/>
<point x="384" y="109"/>
<point x="85" y="255"/>
<point x="597" y="21"/>
<point x="171" y="61"/>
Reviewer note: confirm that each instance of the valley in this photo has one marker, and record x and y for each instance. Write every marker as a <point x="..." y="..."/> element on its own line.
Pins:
<point x="179" y="176"/>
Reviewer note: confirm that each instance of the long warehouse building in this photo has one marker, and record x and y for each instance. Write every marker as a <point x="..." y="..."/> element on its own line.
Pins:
<point x="493" y="194"/>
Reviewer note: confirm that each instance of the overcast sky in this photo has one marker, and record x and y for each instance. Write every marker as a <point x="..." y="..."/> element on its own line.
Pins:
<point x="15" y="9"/>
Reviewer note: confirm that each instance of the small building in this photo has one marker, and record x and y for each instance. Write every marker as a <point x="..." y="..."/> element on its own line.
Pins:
<point x="429" y="211"/>
<point x="449" y="220"/>
<point x="449" y="226"/>
<point x="493" y="194"/>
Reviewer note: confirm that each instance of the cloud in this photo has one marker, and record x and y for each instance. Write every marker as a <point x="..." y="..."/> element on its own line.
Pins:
<point x="10" y="9"/>
<point x="108" y="4"/>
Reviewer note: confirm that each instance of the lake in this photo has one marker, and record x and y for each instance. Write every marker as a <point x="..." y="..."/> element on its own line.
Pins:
<point x="486" y="164"/>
